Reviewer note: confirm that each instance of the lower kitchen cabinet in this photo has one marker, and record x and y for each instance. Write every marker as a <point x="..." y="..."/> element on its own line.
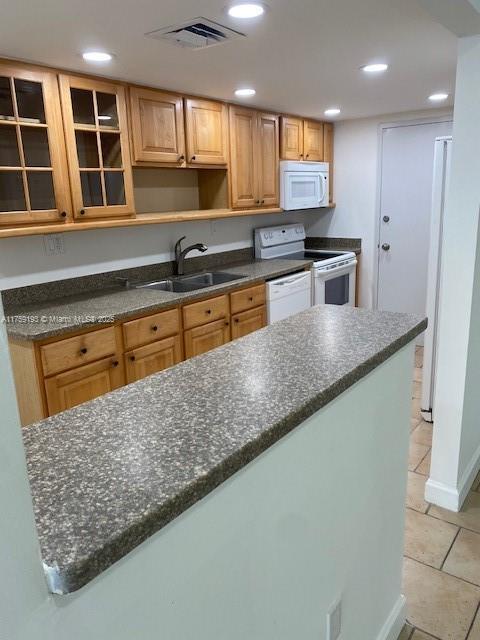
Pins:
<point x="153" y="358"/>
<point x="68" y="389"/>
<point x="206" y="337"/>
<point x="248" y="322"/>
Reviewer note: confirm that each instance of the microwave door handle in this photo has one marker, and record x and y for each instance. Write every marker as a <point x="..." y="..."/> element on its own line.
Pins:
<point x="321" y="189"/>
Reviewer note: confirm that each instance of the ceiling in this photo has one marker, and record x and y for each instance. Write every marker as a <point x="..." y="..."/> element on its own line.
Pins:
<point x="302" y="56"/>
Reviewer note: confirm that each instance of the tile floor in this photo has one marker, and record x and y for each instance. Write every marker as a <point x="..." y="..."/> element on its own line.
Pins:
<point x="442" y="549"/>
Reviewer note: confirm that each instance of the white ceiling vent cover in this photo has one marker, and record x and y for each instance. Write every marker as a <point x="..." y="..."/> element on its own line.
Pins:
<point x="198" y="33"/>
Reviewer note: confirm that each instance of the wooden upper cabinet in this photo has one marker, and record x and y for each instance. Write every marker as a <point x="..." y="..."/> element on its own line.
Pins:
<point x="313" y="141"/>
<point x="33" y="178"/>
<point x="292" y="138"/>
<point x="254" y="158"/>
<point x="157" y="127"/>
<point x="95" y="121"/>
<point x="243" y="157"/>
<point x="268" y="159"/>
<point x="206" y="132"/>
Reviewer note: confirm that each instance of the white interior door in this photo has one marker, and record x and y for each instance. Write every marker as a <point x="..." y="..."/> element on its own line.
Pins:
<point x="405" y="211"/>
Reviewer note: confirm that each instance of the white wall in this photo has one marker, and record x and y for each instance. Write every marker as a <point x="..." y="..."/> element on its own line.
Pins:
<point x="23" y="260"/>
<point x="456" y="437"/>
<point x="355" y="190"/>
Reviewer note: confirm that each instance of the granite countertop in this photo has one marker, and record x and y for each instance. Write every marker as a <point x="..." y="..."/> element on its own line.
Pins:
<point x="108" y="474"/>
<point x="64" y="315"/>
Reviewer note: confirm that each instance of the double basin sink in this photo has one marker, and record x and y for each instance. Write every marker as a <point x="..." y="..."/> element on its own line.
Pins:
<point x="184" y="284"/>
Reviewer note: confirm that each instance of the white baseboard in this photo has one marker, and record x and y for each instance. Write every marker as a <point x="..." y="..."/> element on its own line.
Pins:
<point x="452" y="498"/>
<point x="395" y="621"/>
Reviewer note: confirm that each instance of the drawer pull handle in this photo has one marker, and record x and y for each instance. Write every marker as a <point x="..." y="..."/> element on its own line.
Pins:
<point x="181" y="157"/>
<point x="83" y="351"/>
<point x="250" y="299"/>
<point x="132" y="358"/>
<point x="193" y="157"/>
<point x="237" y="320"/>
<point x="154" y="328"/>
<point x="63" y="214"/>
<point x="226" y="324"/>
<point x="209" y="311"/>
<point x="115" y="363"/>
<point x="82" y="212"/>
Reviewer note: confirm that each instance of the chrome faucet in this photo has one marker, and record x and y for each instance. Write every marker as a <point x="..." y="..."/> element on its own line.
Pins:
<point x="180" y="254"/>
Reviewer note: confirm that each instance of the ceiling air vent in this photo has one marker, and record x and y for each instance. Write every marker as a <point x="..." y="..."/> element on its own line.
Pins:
<point x="198" y="33"/>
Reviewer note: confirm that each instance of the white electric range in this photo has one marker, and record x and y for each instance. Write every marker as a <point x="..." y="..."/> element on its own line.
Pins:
<point x="333" y="272"/>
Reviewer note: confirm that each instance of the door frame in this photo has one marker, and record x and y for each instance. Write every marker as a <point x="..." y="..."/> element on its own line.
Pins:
<point x="434" y="119"/>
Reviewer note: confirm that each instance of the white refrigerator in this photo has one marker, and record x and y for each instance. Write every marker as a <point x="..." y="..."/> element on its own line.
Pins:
<point x="441" y="172"/>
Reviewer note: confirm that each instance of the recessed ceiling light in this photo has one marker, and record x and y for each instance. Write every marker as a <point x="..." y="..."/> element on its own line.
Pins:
<point x="438" y="97"/>
<point x="378" y="67"/>
<point x="244" y="93"/>
<point x="332" y="112"/>
<point x="245" y="10"/>
<point x="97" y="56"/>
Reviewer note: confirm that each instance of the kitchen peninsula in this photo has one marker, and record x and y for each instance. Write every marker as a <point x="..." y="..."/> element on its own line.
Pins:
<point x="230" y="494"/>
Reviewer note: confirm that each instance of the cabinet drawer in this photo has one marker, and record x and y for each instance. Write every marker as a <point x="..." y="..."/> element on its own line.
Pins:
<point x="205" y="311"/>
<point x="247" y="298"/>
<point x="151" y="328"/>
<point x="76" y="351"/>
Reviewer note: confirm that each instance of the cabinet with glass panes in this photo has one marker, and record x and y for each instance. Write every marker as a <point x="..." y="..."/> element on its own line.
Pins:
<point x="33" y="179"/>
<point x="97" y="145"/>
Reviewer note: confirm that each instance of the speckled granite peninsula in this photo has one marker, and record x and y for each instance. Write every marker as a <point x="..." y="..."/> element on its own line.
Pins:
<point x="110" y="473"/>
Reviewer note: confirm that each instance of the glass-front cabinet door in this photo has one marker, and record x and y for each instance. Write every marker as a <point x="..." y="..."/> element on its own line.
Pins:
<point x="33" y="178"/>
<point x="98" y="152"/>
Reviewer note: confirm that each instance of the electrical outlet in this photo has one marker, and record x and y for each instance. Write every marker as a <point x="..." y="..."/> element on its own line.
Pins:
<point x="334" y="621"/>
<point x="54" y="244"/>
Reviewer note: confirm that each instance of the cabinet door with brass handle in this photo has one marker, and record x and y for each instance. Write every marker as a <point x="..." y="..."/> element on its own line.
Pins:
<point x="34" y="184"/>
<point x="206" y="337"/>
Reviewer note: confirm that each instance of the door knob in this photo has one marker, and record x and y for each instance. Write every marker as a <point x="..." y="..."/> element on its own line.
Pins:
<point x="386" y="218"/>
<point x="386" y="246"/>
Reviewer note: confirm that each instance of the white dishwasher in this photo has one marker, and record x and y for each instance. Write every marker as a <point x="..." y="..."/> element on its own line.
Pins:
<point x="288" y="295"/>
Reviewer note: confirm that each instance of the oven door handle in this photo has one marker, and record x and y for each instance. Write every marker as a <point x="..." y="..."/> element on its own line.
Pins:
<point x="335" y="270"/>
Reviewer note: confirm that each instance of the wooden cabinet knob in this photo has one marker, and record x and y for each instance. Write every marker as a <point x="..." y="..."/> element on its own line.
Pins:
<point x="237" y="320"/>
<point x="132" y="358"/>
<point x="250" y="299"/>
<point x="307" y="155"/>
<point x="83" y="351"/>
<point x="115" y="363"/>
<point x="82" y="212"/>
<point x="208" y="311"/>
<point x="154" y="328"/>
<point x="181" y="157"/>
<point x="193" y="157"/>
<point x="63" y="214"/>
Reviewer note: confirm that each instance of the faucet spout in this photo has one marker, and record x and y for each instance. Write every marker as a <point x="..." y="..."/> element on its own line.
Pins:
<point x="181" y="255"/>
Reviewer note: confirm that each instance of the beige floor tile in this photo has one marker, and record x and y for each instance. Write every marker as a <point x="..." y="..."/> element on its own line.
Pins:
<point x="463" y="560"/>
<point x="427" y="539"/>
<point x="414" y="422"/>
<point x="406" y="632"/>
<point x="416" y="409"/>
<point x="423" y="433"/>
<point x="475" y="630"/>
<point x="424" y="466"/>
<point x="417" y="374"/>
<point x="416" y="492"/>
<point x="468" y="517"/>
<point x="476" y="483"/>
<point x="437" y="603"/>
<point x="416" y="454"/>
<point x="419" y="635"/>
<point x="416" y="390"/>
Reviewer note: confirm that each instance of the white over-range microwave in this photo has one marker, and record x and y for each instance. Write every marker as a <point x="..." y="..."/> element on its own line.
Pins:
<point x="304" y="185"/>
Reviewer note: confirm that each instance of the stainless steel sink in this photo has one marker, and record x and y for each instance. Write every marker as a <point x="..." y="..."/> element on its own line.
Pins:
<point x="210" y="278"/>
<point x="190" y="283"/>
